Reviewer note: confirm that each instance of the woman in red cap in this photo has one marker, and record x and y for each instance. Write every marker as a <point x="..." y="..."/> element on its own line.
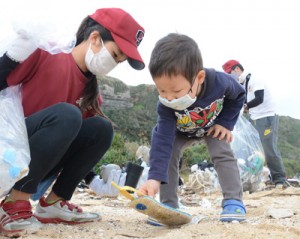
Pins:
<point x="68" y="133"/>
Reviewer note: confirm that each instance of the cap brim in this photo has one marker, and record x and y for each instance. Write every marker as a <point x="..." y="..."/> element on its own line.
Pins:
<point x="136" y="64"/>
<point x="134" y="57"/>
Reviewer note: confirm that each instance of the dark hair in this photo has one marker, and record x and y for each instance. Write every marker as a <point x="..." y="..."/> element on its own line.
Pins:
<point x="176" y="54"/>
<point x="91" y="90"/>
<point x="237" y="65"/>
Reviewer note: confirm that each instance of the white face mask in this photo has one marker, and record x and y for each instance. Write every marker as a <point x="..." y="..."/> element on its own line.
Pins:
<point x="178" y="104"/>
<point x="99" y="63"/>
<point x="240" y="78"/>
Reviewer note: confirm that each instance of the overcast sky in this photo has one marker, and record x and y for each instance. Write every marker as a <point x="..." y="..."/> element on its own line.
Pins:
<point x="262" y="34"/>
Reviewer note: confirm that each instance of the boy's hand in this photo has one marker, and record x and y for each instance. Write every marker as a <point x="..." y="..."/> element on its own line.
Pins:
<point x="150" y="187"/>
<point x="220" y="132"/>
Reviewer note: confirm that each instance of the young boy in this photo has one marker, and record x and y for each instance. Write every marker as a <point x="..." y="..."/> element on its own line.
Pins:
<point x="194" y="103"/>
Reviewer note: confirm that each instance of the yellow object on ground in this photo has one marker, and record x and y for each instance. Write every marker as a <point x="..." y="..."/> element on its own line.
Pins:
<point x="147" y="205"/>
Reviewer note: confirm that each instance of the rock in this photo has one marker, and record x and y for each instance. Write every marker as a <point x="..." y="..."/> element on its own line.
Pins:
<point x="279" y="213"/>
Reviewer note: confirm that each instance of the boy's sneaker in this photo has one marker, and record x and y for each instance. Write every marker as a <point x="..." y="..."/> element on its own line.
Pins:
<point x="233" y="210"/>
<point x="16" y="218"/>
<point x="62" y="212"/>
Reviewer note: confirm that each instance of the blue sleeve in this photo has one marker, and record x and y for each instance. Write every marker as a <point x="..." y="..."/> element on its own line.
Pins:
<point x="234" y="99"/>
<point x="163" y="135"/>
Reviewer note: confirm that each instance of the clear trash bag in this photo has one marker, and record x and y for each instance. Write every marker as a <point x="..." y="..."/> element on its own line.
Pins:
<point x="46" y="36"/>
<point x="248" y="150"/>
<point x="14" y="146"/>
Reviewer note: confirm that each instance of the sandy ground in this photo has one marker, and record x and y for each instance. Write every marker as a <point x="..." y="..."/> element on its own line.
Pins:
<point x="121" y="221"/>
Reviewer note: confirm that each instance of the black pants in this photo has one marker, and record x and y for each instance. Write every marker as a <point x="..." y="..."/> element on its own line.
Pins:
<point x="62" y="143"/>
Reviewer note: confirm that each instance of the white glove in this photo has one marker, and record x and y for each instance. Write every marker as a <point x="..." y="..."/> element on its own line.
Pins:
<point x="106" y="189"/>
<point x="21" y="47"/>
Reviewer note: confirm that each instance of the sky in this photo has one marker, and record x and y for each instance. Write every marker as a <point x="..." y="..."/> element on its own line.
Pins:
<point x="263" y="35"/>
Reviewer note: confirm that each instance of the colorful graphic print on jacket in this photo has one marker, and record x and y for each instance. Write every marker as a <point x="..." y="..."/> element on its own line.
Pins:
<point x="196" y="122"/>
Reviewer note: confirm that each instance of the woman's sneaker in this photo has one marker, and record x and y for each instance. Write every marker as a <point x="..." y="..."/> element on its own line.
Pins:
<point x="62" y="212"/>
<point x="16" y="218"/>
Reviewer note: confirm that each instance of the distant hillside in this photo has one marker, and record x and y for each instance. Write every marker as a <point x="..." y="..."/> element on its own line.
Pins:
<point x="136" y="121"/>
<point x="133" y="110"/>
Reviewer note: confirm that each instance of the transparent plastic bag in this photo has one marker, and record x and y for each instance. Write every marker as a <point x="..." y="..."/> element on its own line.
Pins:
<point x="248" y="150"/>
<point x="47" y="36"/>
<point x="14" y="146"/>
<point x="49" y="27"/>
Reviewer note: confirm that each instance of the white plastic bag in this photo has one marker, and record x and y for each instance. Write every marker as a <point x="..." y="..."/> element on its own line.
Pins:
<point x="144" y="176"/>
<point x="14" y="146"/>
<point x="105" y="189"/>
<point x="204" y="181"/>
<point x="248" y="150"/>
<point x="46" y="36"/>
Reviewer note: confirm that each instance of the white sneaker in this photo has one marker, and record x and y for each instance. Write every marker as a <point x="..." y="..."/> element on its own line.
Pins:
<point x="62" y="212"/>
<point x="16" y="219"/>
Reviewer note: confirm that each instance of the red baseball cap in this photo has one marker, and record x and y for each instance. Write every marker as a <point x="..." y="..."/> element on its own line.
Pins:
<point x="227" y="67"/>
<point x="126" y="32"/>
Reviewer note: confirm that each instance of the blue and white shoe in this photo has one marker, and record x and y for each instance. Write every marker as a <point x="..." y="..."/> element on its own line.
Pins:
<point x="151" y="221"/>
<point x="233" y="210"/>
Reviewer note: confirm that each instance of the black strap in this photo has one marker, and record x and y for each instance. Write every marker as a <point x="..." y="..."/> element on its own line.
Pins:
<point x="246" y="85"/>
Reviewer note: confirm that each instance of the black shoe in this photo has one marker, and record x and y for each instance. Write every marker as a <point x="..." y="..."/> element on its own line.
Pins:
<point x="282" y="185"/>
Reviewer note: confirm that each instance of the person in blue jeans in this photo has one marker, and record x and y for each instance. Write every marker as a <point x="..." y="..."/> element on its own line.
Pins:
<point x="262" y="110"/>
<point x="195" y="103"/>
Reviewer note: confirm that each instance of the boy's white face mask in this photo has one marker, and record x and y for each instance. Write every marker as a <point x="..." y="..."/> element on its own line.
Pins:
<point x="99" y="63"/>
<point x="178" y="104"/>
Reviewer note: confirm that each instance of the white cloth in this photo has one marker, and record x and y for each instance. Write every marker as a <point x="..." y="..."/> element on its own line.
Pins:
<point x="267" y="107"/>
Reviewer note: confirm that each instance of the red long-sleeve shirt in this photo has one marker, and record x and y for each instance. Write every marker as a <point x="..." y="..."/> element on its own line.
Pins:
<point x="48" y="79"/>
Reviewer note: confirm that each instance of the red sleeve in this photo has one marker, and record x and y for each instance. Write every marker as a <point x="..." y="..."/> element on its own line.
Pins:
<point x="25" y="70"/>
